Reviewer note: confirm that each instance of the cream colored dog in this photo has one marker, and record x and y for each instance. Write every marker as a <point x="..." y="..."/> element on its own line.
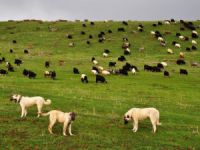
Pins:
<point x="26" y="102"/>
<point x="137" y="114"/>
<point x="63" y="117"/>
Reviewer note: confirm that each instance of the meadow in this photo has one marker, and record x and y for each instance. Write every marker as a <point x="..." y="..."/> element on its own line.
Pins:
<point x="99" y="107"/>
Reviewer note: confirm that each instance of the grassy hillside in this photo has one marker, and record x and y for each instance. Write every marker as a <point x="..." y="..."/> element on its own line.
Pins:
<point x="100" y="107"/>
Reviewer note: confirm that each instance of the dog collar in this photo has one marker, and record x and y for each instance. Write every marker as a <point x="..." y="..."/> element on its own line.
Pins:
<point x="19" y="99"/>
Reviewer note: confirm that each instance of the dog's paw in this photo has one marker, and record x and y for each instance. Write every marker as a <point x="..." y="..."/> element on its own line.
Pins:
<point x="134" y="130"/>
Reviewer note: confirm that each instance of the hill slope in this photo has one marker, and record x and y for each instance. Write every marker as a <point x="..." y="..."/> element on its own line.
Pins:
<point x="100" y="107"/>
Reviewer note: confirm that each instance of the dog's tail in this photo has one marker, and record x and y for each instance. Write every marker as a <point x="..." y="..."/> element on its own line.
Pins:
<point x="47" y="102"/>
<point x="45" y="114"/>
<point x="158" y="118"/>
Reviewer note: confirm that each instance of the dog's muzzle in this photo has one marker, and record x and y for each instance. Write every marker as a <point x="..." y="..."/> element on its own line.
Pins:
<point x="125" y="121"/>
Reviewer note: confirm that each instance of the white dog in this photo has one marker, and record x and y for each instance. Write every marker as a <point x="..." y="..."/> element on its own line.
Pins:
<point x="137" y="114"/>
<point x="26" y="102"/>
<point x="63" y="117"/>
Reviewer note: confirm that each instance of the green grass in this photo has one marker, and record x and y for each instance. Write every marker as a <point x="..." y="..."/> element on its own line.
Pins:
<point x="100" y="107"/>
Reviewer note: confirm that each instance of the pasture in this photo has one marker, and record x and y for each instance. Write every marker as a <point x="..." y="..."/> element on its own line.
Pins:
<point x="99" y="107"/>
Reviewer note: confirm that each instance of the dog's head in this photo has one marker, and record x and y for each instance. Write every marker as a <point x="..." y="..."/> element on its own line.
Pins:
<point x="15" y="98"/>
<point x="72" y="115"/>
<point x="127" y="117"/>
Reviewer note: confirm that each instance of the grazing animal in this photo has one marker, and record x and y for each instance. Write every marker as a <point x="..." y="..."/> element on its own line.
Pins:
<point x="177" y="45"/>
<point x="105" y="72"/>
<point x="138" y="114"/>
<point x="147" y="68"/>
<point x="69" y="36"/>
<point x="14" y="41"/>
<point x="195" y="64"/>
<point x="95" y="62"/>
<point x="26" y="51"/>
<point x="26" y="102"/>
<point x="156" y="69"/>
<point x="125" y="39"/>
<point x="92" y="23"/>
<point x="47" y="64"/>
<point x="71" y="44"/>
<point x="82" y="32"/>
<point x="160" y="23"/>
<point x="180" y="62"/>
<point x="154" y="25"/>
<point x="159" y="65"/>
<point x="194" y="42"/>
<point x="76" y="71"/>
<point x="125" y="23"/>
<point x="3" y="72"/>
<point x="31" y="74"/>
<point x="153" y="68"/>
<point x="194" y="47"/>
<point x="123" y="71"/>
<point x="106" y="51"/>
<point x="84" y="78"/>
<point x="163" y="43"/>
<point x="51" y="74"/>
<point x="178" y="34"/>
<point x="90" y="36"/>
<point x="100" y="68"/>
<point x="18" y="62"/>
<point x="181" y="37"/>
<point x="166" y="73"/>
<point x="109" y="31"/>
<point x="25" y="72"/>
<point x="183" y="71"/>
<point x="127" y="51"/>
<point x="160" y="39"/>
<point x="121" y="58"/>
<point x="100" y="79"/>
<point x="188" y="49"/>
<point x="105" y="54"/>
<point x="194" y="34"/>
<point x="126" y="45"/>
<point x="84" y="25"/>
<point x="95" y="70"/>
<point x="181" y="55"/>
<point x="2" y="59"/>
<point x="121" y="29"/>
<point x="11" y="50"/>
<point x="164" y="63"/>
<point x="170" y="51"/>
<point x="112" y="64"/>
<point x="10" y="67"/>
<point x="67" y="118"/>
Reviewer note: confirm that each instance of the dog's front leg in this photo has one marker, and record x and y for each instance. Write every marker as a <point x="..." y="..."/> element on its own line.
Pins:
<point x="70" y="129"/>
<point x="39" y="107"/>
<point x="23" y="112"/>
<point x="65" y="128"/>
<point x="135" y="125"/>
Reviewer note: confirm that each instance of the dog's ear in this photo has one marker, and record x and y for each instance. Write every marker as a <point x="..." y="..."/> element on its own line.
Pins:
<point x="73" y="115"/>
<point x="11" y="97"/>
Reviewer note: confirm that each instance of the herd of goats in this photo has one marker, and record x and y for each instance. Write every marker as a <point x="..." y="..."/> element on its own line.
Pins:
<point x="100" y="72"/>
